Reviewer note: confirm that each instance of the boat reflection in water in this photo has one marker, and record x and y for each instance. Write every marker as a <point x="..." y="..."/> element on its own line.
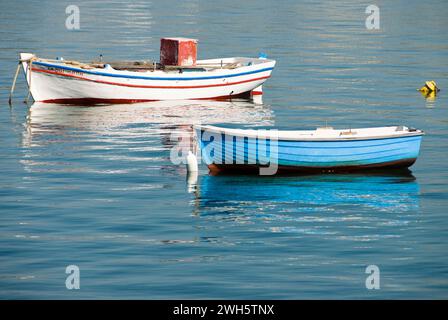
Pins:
<point x="129" y="133"/>
<point x="310" y="204"/>
<point x="50" y="118"/>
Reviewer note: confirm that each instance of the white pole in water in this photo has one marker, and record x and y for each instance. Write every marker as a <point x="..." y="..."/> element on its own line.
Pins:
<point x="192" y="181"/>
<point x="192" y="162"/>
<point x="192" y="172"/>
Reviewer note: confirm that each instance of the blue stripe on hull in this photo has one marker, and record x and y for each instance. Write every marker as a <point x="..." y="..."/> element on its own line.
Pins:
<point x="116" y="75"/>
<point x="315" y="154"/>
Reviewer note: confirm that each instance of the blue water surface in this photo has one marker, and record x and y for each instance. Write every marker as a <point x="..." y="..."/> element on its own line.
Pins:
<point x="95" y="187"/>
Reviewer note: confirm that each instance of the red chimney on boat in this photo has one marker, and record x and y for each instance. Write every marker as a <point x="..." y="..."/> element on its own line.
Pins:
<point x="178" y="51"/>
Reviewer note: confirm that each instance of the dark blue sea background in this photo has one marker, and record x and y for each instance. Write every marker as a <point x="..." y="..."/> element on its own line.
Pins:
<point x="95" y="187"/>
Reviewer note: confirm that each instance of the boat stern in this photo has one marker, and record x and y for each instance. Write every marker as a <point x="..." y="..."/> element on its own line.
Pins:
<point x="25" y="56"/>
<point x="24" y="59"/>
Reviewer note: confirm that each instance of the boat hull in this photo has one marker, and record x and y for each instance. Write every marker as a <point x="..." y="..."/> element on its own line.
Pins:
<point x="238" y="154"/>
<point x="254" y="169"/>
<point x="58" y="83"/>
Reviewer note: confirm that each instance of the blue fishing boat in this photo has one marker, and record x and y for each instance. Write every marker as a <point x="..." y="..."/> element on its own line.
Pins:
<point x="321" y="150"/>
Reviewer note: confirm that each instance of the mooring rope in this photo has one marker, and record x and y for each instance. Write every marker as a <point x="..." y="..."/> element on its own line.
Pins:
<point x="21" y="61"/>
<point x="14" y="82"/>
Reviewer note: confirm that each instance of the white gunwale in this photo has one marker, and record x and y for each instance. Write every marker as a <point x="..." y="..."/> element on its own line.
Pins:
<point x="320" y="134"/>
<point x="213" y="67"/>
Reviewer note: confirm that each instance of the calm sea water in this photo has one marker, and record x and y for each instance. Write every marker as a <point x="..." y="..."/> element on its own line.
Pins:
<point x="94" y="187"/>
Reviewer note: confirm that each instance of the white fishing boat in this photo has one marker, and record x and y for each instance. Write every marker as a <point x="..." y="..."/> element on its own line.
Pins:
<point x="62" y="81"/>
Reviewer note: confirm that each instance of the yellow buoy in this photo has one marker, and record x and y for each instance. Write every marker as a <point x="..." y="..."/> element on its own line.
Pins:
<point x="430" y="89"/>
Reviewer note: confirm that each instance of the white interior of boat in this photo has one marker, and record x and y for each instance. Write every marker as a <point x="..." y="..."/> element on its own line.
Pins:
<point x="322" y="133"/>
<point x="148" y="66"/>
<point x="234" y="62"/>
